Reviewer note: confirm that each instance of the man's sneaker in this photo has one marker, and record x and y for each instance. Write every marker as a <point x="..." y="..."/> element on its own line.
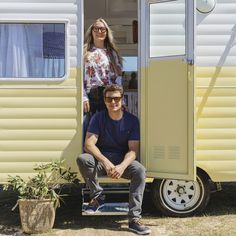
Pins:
<point x="138" y="228"/>
<point x="95" y="204"/>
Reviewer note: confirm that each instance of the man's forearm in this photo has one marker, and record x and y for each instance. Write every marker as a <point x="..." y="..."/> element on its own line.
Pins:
<point x="129" y="158"/>
<point x="93" y="150"/>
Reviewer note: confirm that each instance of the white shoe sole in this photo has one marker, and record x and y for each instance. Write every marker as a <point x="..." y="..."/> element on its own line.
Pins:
<point x="93" y="212"/>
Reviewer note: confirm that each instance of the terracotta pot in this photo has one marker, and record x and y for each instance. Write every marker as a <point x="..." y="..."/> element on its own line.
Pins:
<point x="37" y="216"/>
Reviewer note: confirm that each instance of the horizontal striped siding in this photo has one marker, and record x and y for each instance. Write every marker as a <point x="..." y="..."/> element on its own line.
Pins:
<point x="41" y="121"/>
<point x="38" y="125"/>
<point x="216" y="91"/>
<point x="216" y="33"/>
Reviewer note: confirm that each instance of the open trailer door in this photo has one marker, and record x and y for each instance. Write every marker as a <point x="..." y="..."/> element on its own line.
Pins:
<point x="167" y="88"/>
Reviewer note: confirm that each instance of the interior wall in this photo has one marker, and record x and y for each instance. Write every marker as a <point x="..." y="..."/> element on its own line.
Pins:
<point x="119" y="15"/>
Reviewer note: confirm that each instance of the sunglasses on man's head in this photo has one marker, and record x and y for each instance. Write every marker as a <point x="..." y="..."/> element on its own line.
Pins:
<point x="110" y="99"/>
<point x="101" y="29"/>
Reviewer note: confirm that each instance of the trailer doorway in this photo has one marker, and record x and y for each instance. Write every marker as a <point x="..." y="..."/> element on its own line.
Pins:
<point x="122" y="18"/>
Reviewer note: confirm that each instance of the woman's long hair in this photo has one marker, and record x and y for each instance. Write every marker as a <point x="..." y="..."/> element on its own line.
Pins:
<point x="109" y="44"/>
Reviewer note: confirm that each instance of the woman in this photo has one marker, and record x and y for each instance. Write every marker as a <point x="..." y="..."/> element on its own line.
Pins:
<point x="102" y="65"/>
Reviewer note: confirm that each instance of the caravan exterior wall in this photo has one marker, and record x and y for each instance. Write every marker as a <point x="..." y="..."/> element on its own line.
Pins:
<point x="216" y="91"/>
<point x="40" y="118"/>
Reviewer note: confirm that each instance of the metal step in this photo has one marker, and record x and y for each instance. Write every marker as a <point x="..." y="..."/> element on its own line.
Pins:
<point x="108" y="191"/>
<point x="110" y="208"/>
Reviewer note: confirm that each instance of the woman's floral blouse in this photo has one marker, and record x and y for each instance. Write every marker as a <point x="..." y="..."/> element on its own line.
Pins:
<point x="98" y="70"/>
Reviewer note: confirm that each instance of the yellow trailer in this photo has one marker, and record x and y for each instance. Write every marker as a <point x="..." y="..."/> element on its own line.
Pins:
<point x="185" y="63"/>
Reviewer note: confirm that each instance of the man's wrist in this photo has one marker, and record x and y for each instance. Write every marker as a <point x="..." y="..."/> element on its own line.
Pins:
<point x="123" y="165"/>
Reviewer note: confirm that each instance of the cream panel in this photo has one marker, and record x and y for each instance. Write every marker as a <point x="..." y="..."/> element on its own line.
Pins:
<point x="41" y="121"/>
<point x="166" y="117"/>
<point x="37" y="102"/>
<point x="216" y="123"/>
<point x="219" y="170"/>
<point x="32" y="156"/>
<point x="11" y="113"/>
<point x="216" y="101"/>
<point x="38" y="123"/>
<point x="39" y="92"/>
<point x="223" y="91"/>
<point x="72" y="81"/>
<point x="18" y="167"/>
<point x="216" y="133"/>
<point x="216" y="144"/>
<point x="36" y="145"/>
<point x="223" y="112"/>
<point x="37" y="134"/>
<point x="208" y="71"/>
<point x="212" y="155"/>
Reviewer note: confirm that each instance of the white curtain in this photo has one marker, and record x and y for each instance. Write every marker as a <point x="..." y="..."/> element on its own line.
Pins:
<point x="53" y="67"/>
<point x="22" y="53"/>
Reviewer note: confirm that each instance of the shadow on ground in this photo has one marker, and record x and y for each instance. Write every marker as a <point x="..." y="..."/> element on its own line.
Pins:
<point x="68" y="216"/>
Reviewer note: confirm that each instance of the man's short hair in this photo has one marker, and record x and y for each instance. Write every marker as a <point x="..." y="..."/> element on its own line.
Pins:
<point x="113" y="88"/>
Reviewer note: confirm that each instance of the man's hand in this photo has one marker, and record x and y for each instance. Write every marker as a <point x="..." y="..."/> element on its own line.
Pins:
<point x="117" y="171"/>
<point x="108" y="167"/>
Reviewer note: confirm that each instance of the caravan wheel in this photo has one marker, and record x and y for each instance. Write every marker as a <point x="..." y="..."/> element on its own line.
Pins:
<point x="181" y="198"/>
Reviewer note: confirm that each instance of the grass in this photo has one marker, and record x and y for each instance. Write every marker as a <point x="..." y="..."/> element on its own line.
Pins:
<point x="219" y="219"/>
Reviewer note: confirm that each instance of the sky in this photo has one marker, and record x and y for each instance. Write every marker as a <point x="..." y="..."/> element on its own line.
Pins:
<point x="130" y="64"/>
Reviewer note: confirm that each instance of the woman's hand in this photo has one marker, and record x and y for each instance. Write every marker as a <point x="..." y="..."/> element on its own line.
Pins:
<point x="86" y="106"/>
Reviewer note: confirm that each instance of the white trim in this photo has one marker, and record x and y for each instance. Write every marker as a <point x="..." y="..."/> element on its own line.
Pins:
<point x="80" y="61"/>
<point x="167" y="58"/>
<point x="160" y="1"/>
<point x="67" y="53"/>
<point x="190" y="27"/>
<point x="142" y="38"/>
<point x="139" y="62"/>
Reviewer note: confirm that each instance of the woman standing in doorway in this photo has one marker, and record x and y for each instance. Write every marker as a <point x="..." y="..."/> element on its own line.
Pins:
<point x="102" y="65"/>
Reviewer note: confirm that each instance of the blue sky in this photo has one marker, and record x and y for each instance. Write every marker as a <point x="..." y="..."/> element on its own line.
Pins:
<point x="130" y="64"/>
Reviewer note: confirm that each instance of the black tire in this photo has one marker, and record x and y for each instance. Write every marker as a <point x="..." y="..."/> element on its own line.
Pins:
<point x="181" y="198"/>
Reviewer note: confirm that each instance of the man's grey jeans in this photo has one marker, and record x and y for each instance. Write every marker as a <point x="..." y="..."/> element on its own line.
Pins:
<point x="90" y="169"/>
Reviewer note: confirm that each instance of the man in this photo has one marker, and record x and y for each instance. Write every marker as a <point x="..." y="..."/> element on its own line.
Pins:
<point x="112" y="145"/>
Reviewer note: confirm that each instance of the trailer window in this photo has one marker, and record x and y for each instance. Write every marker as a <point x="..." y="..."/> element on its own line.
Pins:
<point x="32" y="51"/>
<point x="167" y="28"/>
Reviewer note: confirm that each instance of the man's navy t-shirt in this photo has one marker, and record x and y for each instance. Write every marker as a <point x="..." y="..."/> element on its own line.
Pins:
<point x="113" y="135"/>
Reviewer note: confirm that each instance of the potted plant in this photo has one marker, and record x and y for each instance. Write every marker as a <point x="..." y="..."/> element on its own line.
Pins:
<point x="39" y="195"/>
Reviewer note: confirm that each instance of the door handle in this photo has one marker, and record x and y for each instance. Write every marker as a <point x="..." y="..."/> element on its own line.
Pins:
<point x="188" y="61"/>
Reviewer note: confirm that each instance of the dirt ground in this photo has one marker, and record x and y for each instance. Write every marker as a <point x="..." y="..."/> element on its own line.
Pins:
<point x="219" y="219"/>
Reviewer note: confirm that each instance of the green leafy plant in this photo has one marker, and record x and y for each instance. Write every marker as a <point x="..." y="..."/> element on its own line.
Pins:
<point x="45" y="184"/>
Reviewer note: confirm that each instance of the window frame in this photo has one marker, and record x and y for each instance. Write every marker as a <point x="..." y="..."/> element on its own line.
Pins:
<point x="66" y="22"/>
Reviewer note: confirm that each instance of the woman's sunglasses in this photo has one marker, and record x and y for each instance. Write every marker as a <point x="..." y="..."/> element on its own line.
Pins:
<point x="110" y="99"/>
<point x="101" y="29"/>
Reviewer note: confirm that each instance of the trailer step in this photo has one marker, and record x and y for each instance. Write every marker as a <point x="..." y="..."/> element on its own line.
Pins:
<point x="110" y="208"/>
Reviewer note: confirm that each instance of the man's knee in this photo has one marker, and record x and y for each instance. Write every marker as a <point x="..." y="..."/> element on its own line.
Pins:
<point x="139" y="170"/>
<point x="84" y="159"/>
